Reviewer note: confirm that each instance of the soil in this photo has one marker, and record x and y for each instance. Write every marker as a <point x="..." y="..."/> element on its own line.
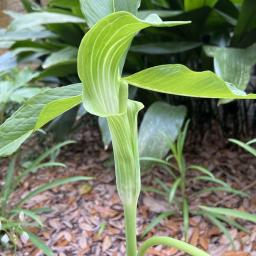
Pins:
<point x="87" y="217"/>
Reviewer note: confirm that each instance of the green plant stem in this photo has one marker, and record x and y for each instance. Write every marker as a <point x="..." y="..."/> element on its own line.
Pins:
<point x="167" y="241"/>
<point x="130" y="212"/>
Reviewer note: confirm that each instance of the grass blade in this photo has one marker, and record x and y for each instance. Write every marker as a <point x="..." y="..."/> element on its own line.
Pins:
<point x="8" y="183"/>
<point x="40" y="244"/>
<point x="51" y="185"/>
<point x="231" y="212"/>
<point x="30" y="214"/>
<point x="155" y="222"/>
<point x="202" y="170"/>
<point x="185" y="212"/>
<point x="244" y="146"/>
<point x="221" y="227"/>
<point x="173" y="190"/>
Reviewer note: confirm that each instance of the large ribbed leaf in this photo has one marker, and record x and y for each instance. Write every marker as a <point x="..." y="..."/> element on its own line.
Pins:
<point x="179" y="80"/>
<point x="34" y="19"/>
<point x="160" y="126"/>
<point x="25" y="34"/>
<point x="233" y="65"/>
<point x="100" y="56"/>
<point x="165" y="47"/>
<point x="95" y="10"/>
<point x="64" y="55"/>
<point x="35" y="113"/>
<point x="195" y="4"/>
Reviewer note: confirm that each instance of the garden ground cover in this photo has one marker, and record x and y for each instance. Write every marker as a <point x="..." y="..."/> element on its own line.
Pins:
<point x="87" y="218"/>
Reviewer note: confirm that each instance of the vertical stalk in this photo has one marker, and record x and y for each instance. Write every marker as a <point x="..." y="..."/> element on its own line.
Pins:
<point x="124" y="134"/>
<point x="130" y="212"/>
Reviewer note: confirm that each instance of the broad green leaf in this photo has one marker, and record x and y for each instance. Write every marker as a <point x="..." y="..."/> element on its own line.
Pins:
<point x="179" y="80"/>
<point x="51" y="185"/>
<point x="35" y="19"/>
<point x="54" y="108"/>
<point x="22" y="94"/>
<point x="231" y="213"/>
<point x="245" y="146"/>
<point x="165" y="47"/>
<point x="26" y="34"/>
<point x="160" y="126"/>
<point x="40" y="244"/>
<point x="233" y="65"/>
<point x="246" y="20"/>
<point x="61" y="56"/>
<point x="62" y="69"/>
<point x="100" y="56"/>
<point x="161" y="13"/>
<point x="123" y="128"/>
<point x="195" y="4"/>
<point x="35" y="113"/>
<point x="94" y="10"/>
<point x="7" y="61"/>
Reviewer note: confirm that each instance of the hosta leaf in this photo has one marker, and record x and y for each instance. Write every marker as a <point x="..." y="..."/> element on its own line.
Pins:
<point x="160" y="126"/>
<point x="195" y="4"/>
<point x="61" y="56"/>
<point x="246" y="20"/>
<point x="95" y="10"/>
<point x="165" y="47"/>
<point x="179" y="80"/>
<point x="34" y="19"/>
<point x="232" y="64"/>
<point x="26" y="34"/>
<point x="7" y="61"/>
<point x="161" y="13"/>
<point x="100" y="56"/>
<point x="62" y="69"/>
<point x="36" y="112"/>
<point x="22" y="94"/>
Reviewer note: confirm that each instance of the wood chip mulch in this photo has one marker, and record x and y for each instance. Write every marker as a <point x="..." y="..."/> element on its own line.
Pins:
<point x="87" y="217"/>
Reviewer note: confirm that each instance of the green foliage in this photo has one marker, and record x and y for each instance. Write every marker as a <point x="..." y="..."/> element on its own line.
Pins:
<point x="246" y="146"/>
<point x="37" y="111"/>
<point x="186" y="83"/>
<point x="160" y="125"/>
<point x="101" y="58"/>
<point x="15" y="88"/>
<point x="177" y="194"/>
<point x="16" y="220"/>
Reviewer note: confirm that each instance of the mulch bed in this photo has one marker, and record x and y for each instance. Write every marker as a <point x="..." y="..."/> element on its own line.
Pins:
<point x="87" y="217"/>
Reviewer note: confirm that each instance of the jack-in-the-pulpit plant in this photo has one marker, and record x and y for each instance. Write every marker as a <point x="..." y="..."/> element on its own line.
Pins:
<point x="104" y="92"/>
